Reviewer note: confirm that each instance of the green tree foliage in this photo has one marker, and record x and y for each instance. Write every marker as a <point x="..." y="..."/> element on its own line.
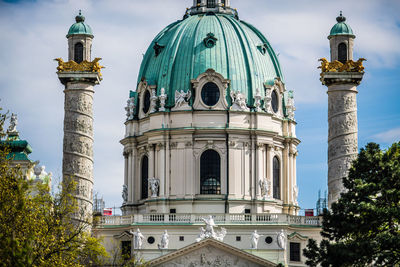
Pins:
<point x="36" y="227"/>
<point x="362" y="227"/>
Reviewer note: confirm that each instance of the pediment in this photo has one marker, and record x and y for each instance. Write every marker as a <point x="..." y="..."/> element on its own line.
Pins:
<point x="209" y="252"/>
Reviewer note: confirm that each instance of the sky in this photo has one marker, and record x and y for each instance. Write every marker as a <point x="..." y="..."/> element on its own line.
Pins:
<point x="33" y="34"/>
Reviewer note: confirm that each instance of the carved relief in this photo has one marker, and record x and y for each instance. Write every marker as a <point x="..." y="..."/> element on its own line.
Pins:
<point x="342" y="103"/>
<point x="238" y="101"/>
<point x="78" y="166"/>
<point x="80" y="124"/>
<point x="342" y="124"/>
<point x="81" y="145"/>
<point x="343" y="146"/>
<point x="78" y="102"/>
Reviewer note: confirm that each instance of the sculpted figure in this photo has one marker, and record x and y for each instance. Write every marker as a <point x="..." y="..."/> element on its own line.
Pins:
<point x="130" y="108"/>
<point x="154" y="185"/>
<point x="181" y="98"/>
<point x="257" y="100"/>
<point x="13" y="123"/>
<point x="265" y="187"/>
<point x="201" y="235"/>
<point x="281" y="239"/>
<point x="162" y="98"/>
<point x="254" y="239"/>
<point x="267" y="100"/>
<point x="125" y="193"/>
<point x="138" y="238"/>
<point x="295" y="193"/>
<point x="210" y="224"/>
<point x="238" y="101"/>
<point x="164" y="241"/>
<point x="153" y="101"/>
<point x="221" y="234"/>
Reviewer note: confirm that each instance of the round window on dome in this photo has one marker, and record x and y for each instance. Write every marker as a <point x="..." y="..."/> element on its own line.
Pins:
<point x="275" y="102"/>
<point x="210" y="94"/>
<point x="146" y="101"/>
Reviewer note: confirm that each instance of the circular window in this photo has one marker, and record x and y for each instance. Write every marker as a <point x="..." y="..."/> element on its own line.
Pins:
<point x="275" y="104"/>
<point x="151" y="240"/>
<point x="210" y="94"/>
<point x="146" y="101"/>
<point x="268" y="240"/>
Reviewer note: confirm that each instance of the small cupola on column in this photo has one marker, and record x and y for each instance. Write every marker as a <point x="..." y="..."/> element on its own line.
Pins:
<point x="341" y="40"/>
<point x="214" y="6"/>
<point x="79" y="40"/>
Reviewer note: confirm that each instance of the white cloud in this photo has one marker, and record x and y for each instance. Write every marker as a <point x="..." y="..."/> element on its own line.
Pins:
<point x="389" y="136"/>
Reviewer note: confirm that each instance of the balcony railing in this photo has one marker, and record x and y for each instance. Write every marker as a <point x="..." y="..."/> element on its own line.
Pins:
<point x="175" y="218"/>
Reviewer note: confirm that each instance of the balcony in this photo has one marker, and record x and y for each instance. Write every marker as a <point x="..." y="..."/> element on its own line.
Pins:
<point x="220" y="219"/>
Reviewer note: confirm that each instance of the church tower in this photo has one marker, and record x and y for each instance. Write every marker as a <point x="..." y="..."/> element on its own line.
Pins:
<point x="79" y="76"/>
<point x="342" y="76"/>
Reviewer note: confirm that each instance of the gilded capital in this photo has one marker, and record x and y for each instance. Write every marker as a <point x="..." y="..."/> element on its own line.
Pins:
<point x="85" y="65"/>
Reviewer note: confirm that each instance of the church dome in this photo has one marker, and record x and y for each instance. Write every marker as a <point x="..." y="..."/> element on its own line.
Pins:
<point x="80" y="27"/>
<point x="341" y="27"/>
<point x="187" y="48"/>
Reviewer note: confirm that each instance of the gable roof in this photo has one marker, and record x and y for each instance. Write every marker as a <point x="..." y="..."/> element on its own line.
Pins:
<point x="214" y="243"/>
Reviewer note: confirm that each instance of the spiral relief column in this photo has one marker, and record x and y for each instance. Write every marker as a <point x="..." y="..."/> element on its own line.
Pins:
<point x="79" y="76"/>
<point x="342" y="76"/>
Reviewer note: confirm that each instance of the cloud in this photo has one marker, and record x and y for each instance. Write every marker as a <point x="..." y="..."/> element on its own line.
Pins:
<point x="389" y="136"/>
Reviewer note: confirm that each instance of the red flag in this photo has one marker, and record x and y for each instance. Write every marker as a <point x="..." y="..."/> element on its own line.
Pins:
<point x="107" y="211"/>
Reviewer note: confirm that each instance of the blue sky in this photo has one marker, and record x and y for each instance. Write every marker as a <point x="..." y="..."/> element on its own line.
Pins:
<point x="33" y="34"/>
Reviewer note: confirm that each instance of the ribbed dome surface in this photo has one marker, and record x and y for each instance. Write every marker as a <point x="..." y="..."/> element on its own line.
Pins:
<point x="179" y="54"/>
<point x="80" y="27"/>
<point x="341" y="28"/>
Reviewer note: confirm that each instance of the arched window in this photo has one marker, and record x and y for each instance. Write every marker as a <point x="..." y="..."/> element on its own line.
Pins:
<point x="275" y="101"/>
<point x="146" y="101"/>
<point x="223" y="2"/>
<point x="145" y="176"/>
<point x="210" y="173"/>
<point x="211" y="3"/>
<point x="78" y="53"/>
<point x="276" y="178"/>
<point x="342" y="52"/>
<point x="210" y="94"/>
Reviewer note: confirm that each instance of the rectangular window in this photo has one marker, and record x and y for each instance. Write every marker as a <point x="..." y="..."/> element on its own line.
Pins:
<point x="181" y="238"/>
<point x="247" y="217"/>
<point x="294" y="251"/>
<point x="126" y="247"/>
<point x="238" y="238"/>
<point x="211" y="3"/>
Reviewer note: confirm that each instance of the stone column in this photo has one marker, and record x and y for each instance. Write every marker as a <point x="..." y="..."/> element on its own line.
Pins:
<point x="78" y="137"/>
<point x="343" y="127"/>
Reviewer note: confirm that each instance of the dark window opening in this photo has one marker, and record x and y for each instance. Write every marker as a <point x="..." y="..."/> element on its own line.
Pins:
<point x="210" y="94"/>
<point x="146" y="101"/>
<point x="145" y="174"/>
<point x="78" y="53"/>
<point x="172" y="216"/>
<point x="199" y="2"/>
<point x="238" y="238"/>
<point x="126" y="247"/>
<point x="342" y="52"/>
<point x="294" y="251"/>
<point x="268" y="240"/>
<point x="211" y="3"/>
<point x="276" y="178"/>
<point x="275" y="104"/>
<point x="223" y="2"/>
<point x="181" y="238"/>
<point x="210" y="172"/>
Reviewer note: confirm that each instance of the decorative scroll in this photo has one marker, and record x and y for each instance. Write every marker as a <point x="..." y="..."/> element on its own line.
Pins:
<point x="337" y="66"/>
<point x="85" y="65"/>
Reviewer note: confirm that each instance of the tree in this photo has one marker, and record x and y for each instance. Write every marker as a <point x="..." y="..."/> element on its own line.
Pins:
<point x="362" y="227"/>
<point x="36" y="227"/>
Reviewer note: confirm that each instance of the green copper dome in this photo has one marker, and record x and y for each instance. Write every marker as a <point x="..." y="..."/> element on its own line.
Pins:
<point x="187" y="48"/>
<point x="341" y="27"/>
<point x="80" y="27"/>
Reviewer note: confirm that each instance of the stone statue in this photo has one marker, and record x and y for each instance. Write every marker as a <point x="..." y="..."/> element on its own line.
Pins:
<point x="182" y="98"/>
<point x="295" y="194"/>
<point x="130" y="108"/>
<point x="201" y="235"/>
<point x="209" y="232"/>
<point x="238" y="101"/>
<point x="267" y="100"/>
<point x="162" y="98"/>
<point x="290" y="106"/>
<point x="257" y="100"/>
<point x="153" y="101"/>
<point x="138" y="238"/>
<point x="265" y="187"/>
<point x="210" y="224"/>
<point x="125" y="193"/>
<point x="154" y="185"/>
<point x="164" y="241"/>
<point x="281" y="239"/>
<point x="13" y="123"/>
<point x="254" y="239"/>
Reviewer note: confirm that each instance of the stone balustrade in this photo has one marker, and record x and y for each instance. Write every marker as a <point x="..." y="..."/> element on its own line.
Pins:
<point x="220" y="219"/>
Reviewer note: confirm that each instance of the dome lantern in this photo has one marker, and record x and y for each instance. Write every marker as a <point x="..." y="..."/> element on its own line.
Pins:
<point x="79" y="37"/>
<point x="341" y="39"/>
<point x="213" y="6"/>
